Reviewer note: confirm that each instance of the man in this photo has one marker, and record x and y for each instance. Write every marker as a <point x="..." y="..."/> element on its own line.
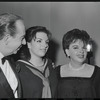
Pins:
<point x="12" y="31"/>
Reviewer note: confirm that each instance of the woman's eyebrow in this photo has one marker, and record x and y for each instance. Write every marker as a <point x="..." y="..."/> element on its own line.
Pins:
<point x="39" y="38"/>
<point x="74" y="45"/>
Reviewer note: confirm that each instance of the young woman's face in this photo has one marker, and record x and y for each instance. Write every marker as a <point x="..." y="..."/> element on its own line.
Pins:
<point x="77" y="51"/>
<point x="39" y="45"/>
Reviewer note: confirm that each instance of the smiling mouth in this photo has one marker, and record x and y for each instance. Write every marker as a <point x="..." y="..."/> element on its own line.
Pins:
<point x="81" y="56"/>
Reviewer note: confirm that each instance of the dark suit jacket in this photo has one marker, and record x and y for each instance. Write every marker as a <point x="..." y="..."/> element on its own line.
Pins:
<point x="5" y="89"/>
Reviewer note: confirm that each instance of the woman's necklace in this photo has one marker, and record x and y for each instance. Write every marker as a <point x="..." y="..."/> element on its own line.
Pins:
<point x="76" y="69"/>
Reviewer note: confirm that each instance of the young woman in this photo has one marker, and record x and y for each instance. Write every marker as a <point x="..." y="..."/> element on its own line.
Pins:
<point x="77" y="79"/>
<point x="36" y="71"/>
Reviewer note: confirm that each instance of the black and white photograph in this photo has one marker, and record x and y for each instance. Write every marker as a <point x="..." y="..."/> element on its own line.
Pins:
<point x="50" y="50"/>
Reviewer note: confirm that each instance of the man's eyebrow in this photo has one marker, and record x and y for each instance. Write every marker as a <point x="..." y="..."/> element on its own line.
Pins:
<point x="22" y="37"/>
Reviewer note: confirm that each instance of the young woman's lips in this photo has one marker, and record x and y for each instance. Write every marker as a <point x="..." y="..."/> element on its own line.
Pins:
<point x="43" y="50"/>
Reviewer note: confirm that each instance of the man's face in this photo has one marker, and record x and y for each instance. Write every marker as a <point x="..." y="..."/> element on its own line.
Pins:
<point x="15" y="43"/>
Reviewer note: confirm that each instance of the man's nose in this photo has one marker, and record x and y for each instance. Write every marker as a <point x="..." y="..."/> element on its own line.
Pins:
<point x="24" y="42"/>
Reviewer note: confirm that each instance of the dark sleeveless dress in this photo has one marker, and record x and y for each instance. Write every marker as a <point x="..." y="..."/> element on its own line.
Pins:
<point x="79" y="87"/>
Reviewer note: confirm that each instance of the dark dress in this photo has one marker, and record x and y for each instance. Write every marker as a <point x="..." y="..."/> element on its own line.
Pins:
<point x="78" y="87"/>
<point x="32" y="85"/>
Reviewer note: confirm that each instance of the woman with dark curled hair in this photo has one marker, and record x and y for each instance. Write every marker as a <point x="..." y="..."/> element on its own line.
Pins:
<point x="36" y="71"/>
<point x="77" y="79"/>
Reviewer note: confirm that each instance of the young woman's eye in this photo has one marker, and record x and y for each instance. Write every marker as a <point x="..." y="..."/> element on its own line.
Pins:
<point x="75" y="47"/>
<point x="39" y="41"/>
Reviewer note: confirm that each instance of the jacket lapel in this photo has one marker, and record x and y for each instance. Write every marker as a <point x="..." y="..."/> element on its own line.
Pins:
<point x="5" y="85"/>
<point x="19" y="88"/>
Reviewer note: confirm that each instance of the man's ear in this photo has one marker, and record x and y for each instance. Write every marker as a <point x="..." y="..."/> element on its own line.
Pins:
<point x="7" y="38"/>
<point x="67" y="52"/>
